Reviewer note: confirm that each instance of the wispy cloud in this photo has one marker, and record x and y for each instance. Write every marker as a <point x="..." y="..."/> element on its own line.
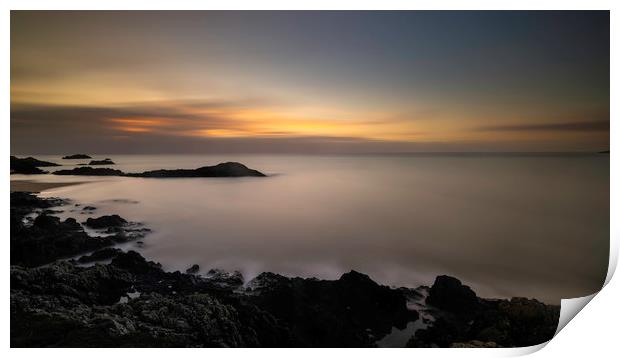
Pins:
<point x="585" y="126"/>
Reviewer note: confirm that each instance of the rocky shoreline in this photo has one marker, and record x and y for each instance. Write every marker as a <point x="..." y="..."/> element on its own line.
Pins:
<point x="123" y="300"/>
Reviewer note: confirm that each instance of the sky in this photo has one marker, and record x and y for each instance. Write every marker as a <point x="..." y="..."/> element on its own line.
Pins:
<point x="309" y="82"/>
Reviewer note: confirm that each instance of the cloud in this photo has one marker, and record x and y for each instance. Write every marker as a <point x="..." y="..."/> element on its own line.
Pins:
<point x="585" y="126"/>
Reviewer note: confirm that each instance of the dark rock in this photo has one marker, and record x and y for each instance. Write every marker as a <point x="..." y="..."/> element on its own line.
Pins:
<point x="77" y="156"/>
<point x="106" y="221"/>
<point x="134" y="262"/>
<point x="29" y="165"/>
<point x="225" y="279"/>
<point x="33" y="162"/>
<point x="517" y="322"/>
<point x="89" y="171"/>
<point x="448" y="293"/>
<point x="100" y="255"/>
<point x="48" y="238"/>
<point x="67" y="306"/>
<point x="193" y="269"/>
<point x="229" y="169"/>
<point x="332" y="313"/>
<point x="89" y="208"/>
<point x="106" y="161"/>
<point x="132" y="302"/>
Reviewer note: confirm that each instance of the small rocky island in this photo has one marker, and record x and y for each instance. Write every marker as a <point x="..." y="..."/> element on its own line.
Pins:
<point x="228" y="169"/>
<point x="29" y="165"/>
<point x="106" y="161"/>
<point x="72" y="289"/>
<point x="77" y="156"/>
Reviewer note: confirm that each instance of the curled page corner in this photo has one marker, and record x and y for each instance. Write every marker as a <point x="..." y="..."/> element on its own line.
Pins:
<point x="569" y="308"/>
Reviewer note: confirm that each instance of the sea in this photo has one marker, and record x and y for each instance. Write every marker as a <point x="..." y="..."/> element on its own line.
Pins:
<point x="527" y="225"/>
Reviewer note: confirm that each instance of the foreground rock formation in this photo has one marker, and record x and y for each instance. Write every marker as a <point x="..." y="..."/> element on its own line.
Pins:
<point x="123" y="300"/>
<point x="38" y="237"/>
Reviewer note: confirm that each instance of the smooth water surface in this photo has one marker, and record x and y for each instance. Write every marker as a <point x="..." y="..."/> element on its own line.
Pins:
<point x="533" y="226"/>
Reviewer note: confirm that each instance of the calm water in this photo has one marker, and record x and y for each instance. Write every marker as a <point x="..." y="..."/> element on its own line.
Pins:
<point x="506" y="225"/>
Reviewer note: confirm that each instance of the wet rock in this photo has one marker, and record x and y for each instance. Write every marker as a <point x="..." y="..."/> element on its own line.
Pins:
<point x="517" y="322"/>
<point x="193" y="269"/>
<point x="475" y="344"/>
<point x="106" y="221"/>
<point x="134" y="262"/>
<point x="48" y="238"/>
<point x="89" y="208"/>
<point x="226" y="279"/>
<point x="332" y="313"/>
<point x="100" y="255"/>
<point x="77" y="156"/>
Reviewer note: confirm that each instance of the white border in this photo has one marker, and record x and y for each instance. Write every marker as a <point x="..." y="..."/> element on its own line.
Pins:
<point x="593" y="330"/>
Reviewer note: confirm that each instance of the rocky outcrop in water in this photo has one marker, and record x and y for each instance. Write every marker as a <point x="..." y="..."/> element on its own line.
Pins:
<point x="105" y="221"/>
<point x="38" y="238"/>
<point x="90" y="171"/>
<point x="517" y="322"/>
<point x="29" y="165"/>
<point x="106" y="161"/>
<point x="77" y="156"/>
<point x="229" y="169"/>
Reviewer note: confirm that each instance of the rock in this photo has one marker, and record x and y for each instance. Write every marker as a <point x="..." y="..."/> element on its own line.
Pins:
<point x="77" y="156"/>
<point x="448" y="293"/>
<point x="48" y="238"/>
<point x="100" y="255"/>
<point x="89" y="208"/>
<point x="132" y="302"/>
<point x="106" y="221"/>
<point x="228" y="169"/>
<point x="332" y="313"/>
<point x="475" y="344"/>
<point x="134" y="262"/>
<point x="67" y="306"/>
<point x="89" y="171"/>
<point x="193" y="269"/>
<point x="517" y="322"/>
<point x="106" y="161"/>
<point x="29" y="165"/>
<point x="225" y="279"/>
